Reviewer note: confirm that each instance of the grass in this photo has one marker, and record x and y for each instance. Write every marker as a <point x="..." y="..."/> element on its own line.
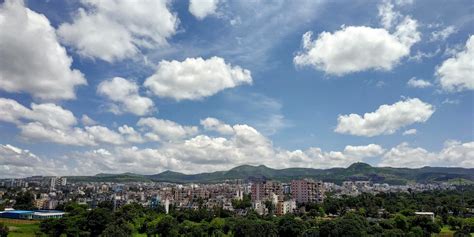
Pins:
<point x="138" y="235"/>
<point x="447" y="232"/>
<point x="21" y="228"/>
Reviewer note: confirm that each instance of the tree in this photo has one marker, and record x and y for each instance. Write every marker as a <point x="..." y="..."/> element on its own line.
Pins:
<point x="245" y="203"/>
<point x="455" y="222"/>
<point x="426" y="223"/>
<point x="25" y="201"/>
<point x="253" y="227"/>
<point x="52" y="227"/>
<point x="3" y="230"/>
<point x="118" y="228"/>
<point x="291" y="226"/>
<point x="164" y="225"/>
<point x="401" y="222"/>
<point x="97" y="220"/>
<point x="109" y="205"/>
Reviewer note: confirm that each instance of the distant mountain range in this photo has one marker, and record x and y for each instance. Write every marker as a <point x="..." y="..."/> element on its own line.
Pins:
<point x="357" y="171"/>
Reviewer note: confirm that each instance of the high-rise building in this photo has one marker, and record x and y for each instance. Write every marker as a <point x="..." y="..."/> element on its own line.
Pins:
<point x="307" y="190"/>
<point x="258" y="191"/>
<point x="57" y="182"/>
<point x="264" y="190"/>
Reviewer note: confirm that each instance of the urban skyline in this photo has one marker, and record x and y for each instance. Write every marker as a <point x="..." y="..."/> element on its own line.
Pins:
<point x="90" y="87"/>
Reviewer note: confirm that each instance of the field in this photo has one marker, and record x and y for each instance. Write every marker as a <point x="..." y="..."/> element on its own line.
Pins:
<point x="446" y="232"/>
<point x="21" y="228"/>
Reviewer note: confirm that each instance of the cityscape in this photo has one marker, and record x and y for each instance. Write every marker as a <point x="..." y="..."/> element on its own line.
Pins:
<point x="236" y="118"/>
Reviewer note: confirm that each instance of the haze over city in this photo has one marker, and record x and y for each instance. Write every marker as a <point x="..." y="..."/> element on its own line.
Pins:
<point x="90" y="87"/>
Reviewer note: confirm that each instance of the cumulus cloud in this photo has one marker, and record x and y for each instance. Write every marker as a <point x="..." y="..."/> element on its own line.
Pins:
<point x="370" y="150"/>
<point x="195" y="78"/>
<point x="387" y="119"/>
<point x="203" y="8"/>
<point x="104" y="135"/>
<point x="113" y="30"/>
<point x="213" y="124"/>
<point x="159" y="129"/>
<point x="360" y="48"/>
<point x="36" y="131"/>
<point x="203" y="152"/>
<point x="27" y="38"/>
<point x="16" y="162"/>
<point x="50" y="114"/>
<point x="454" y="153"/>
<point x="418" y="83"/>
<point x="87" y="121"/>
<point x="125" y="94"/>
<point x="410" y="132"/>
<point x="245" y="145"/>
<point x="52" y="123"/>
<point x="130" y="134"/>
<point x="457" y="73"/>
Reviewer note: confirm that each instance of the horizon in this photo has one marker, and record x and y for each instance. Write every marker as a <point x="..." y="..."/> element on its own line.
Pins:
<point x="240" y="166"/>
<point x="118" y="87"/>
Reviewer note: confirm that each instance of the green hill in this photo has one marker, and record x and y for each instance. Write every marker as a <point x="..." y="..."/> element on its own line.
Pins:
<point x="357" y="171"/>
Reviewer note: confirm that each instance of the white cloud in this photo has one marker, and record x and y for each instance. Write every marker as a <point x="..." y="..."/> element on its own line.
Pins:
<point x="52" y="123"/>
<point x="203" y="8"/>
<point x="357" y="48"/>
<point x="387" y="119"/>
<point x="370" y="150"/>
<point x="457" y="73"/>
<point x="14" y="156"/>
<point x="104" y="135"/>
<point x="451" y="101"/>
<point x="387" y="14"/>
<point x="443" y="34"/>
<point x="454" y="153"/>
<point x="27" y="38"/>
<point x="245" y="146"/>
<point x="36" y="131"/>
<point x="48" y="114"/>
<point x="195" y="78"/>
<point x="419" y="55"/>
<point x="418" y="83"/>
<point x="125" y="93"/>
<point x="360" y="48"/>
<point x="113" y="30"/>
<point x="12" y="111"/>
<point x="410" y="132"/>
<point x="87" y="121"/>
<point x="213" y="124"/>
<point x="16" y="162"/>
<point x="160" y="129"/>
<point x="130" y="134"/>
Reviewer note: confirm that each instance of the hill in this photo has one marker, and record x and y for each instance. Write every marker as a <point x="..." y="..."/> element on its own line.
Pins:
<point x="357" y="171"/>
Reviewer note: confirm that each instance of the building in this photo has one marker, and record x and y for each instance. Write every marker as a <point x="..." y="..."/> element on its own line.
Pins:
<point x="307" y="190"/>
<point x="43" y="215"/>
<point x="258" y="191"/>
<point x="430" y="215"/>
<point x="57" y="182"/>
<point x="284" y="207"/>
<point x="17" y="214"/>
<point x="264" y="190"/>
<point x="31" y="215"/>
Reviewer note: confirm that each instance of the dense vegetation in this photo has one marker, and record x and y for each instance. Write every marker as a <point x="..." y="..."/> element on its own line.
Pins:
<point x="357" y="171"/>
<point x="365" y="215"/>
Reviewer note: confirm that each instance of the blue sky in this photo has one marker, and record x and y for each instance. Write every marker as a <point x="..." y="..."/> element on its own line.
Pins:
<point x="194" y="86"/>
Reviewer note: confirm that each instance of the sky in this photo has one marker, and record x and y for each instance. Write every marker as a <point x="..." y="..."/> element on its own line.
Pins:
<point x="195" y="86"/>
